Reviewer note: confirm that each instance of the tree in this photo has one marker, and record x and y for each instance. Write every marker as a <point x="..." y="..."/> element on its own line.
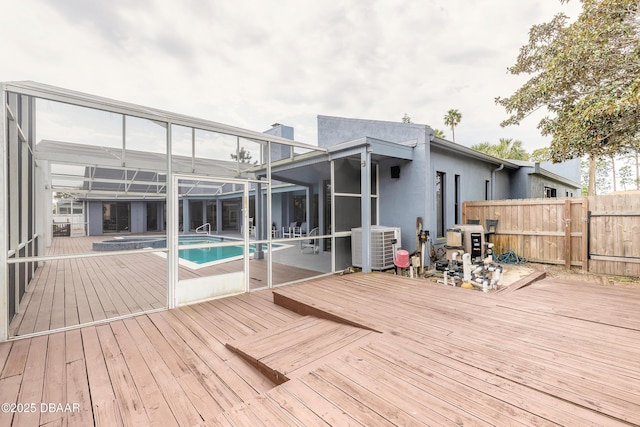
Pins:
<point x="613" y="173"/>
<point x="243" y="156"/>
<point x="59" y="195"/>
<point x="626" y="175"/>
<point x="507" y="148"/>
<point x="602" y="176"/>
<point x="452" y="119"/>
<point x="541" y="155"/>
<point x="439" y="133"/>
<point x="587" y="75"/>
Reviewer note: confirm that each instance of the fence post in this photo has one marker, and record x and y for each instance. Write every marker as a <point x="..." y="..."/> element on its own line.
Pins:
<point x="585" y="234"/>
<point x="567" y="233"/>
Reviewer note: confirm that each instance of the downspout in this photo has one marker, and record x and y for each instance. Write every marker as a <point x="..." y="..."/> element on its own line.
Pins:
<point x="493" y="180"/>
<point x="429" y="222"/>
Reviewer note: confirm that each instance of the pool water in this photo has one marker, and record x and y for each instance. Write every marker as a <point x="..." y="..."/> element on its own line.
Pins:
<point x="206" y="255"/>
<point x="210" y="256"/>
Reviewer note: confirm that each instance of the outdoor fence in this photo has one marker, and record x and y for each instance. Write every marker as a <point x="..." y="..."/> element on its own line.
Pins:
<point x="601" y="234"/>
<point x="61" y="229"/>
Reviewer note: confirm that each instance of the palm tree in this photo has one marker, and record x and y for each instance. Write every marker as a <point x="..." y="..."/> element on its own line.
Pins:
<point x="511" y="149"/>
<point x="452" y="119"/>
<point x="439" y="133"/>
<point x="506" y="148"/>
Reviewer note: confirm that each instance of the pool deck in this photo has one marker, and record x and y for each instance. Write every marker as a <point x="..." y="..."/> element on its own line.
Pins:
<point x="354" y="350"/>
<point x="76" y="291"/>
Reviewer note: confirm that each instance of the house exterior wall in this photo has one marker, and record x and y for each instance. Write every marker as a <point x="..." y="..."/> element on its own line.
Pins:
<point x="412" y="195"/>
<point x="335" y="130"/>
<point x="569" y="169"/>
<point x="401" y="200"/>
<point x="539" y="182"/>
<point x="520" y="184"/>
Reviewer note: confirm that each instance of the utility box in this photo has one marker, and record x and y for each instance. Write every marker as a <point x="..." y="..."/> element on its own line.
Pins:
<point x="384" y="241"/>
<point x="468" y="238"/>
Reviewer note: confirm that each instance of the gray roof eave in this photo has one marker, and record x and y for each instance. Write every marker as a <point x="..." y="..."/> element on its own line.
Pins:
<point x="468" y="152"/>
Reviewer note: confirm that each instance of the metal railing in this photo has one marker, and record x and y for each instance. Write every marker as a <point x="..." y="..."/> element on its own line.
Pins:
<point x="204" y="228"/>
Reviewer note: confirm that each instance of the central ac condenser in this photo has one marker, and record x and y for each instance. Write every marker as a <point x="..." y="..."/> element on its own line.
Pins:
<point x="384" y="242"/>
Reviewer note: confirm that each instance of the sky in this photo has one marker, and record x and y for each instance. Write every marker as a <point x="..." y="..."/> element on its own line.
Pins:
<point x="252" y="63"/>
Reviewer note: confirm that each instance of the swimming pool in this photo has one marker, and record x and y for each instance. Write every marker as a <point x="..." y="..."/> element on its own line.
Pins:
<point x="193" y="258"/>
<point x="204" y="257"/>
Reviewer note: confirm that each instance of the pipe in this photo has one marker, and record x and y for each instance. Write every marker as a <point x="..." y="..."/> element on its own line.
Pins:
<point x="466" y="267"/>
<point x="493" y="179"/>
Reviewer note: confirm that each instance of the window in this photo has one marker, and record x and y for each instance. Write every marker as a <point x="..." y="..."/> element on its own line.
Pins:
<point x="115" y="217"/>
<point x="440" y="200"/>
<point x="487" y="190"/>
<point x="549" y="192"/>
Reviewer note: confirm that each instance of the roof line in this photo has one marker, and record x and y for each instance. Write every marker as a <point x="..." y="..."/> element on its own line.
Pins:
<point x="68" y="96"/>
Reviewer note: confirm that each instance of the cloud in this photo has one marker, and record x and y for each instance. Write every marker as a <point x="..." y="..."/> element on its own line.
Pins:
<point x="250" y="63"/>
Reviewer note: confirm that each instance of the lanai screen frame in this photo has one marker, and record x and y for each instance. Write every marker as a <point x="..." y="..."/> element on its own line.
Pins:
<point x="12" y="133"/>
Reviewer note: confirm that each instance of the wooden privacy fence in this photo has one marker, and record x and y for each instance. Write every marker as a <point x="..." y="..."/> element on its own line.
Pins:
<point x="601" y="234"/>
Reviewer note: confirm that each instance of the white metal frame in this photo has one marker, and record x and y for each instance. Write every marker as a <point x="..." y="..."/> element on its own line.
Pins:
<point x="40" y="91"/>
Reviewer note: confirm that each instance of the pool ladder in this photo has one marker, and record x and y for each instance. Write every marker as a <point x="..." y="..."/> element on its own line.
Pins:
<point x="204" y="228"/>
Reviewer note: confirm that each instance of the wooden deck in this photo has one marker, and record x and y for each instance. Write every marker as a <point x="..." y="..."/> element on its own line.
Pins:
<point x="72" y="292"/>
<point x="552" y="353"/>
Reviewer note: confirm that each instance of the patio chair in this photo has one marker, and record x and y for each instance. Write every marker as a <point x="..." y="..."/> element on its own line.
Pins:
<point x="300" y="231"/>
<point x="289" y="231"/>
<point x="311" y="243"/>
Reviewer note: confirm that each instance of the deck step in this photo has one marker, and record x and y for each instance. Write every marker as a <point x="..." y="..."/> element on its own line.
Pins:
<point x="298" y="347"/>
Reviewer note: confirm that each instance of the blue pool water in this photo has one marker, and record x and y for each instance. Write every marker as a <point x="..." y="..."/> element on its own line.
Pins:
<point x="199" y="256"/>
<point x="209" y="255"/>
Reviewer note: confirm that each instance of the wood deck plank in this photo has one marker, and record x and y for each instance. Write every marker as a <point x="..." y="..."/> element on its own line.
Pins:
<point x="207" y="402"/>
<point x="207" y="357"/>
<point x="127" y="396"/>
<point x="5" y="349"/>
<point x="444" y="356"/>
<point x="312" y="399"/>
<point x="78" y="393"/>
<point x="106" y="412"/>
<point x="293" y="407"/>
<point x="185" y="401"/>
<point x="152" y="398"/>
<point x="55" y="384"/>
<point x="16" y="360"/>
<point x="32" y="383"/>
<point x="9" y="390"/>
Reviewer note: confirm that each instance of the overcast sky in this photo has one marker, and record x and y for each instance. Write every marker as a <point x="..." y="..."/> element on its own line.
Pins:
<point x="251" y="63"/>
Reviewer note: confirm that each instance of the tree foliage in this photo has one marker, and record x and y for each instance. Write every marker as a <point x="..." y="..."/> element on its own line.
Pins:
<point x="587" y="75"/>
<point x="602" y="176"/>
<point x="452" y="119"/>
<point x="541" y="155"/>
<point x="506" y="148"/>
<point x="439" y="133"/>
<point x="243" y="156"/>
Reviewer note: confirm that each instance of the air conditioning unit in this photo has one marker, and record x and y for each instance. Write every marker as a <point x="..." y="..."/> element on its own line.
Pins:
<point x="385" y="241"/>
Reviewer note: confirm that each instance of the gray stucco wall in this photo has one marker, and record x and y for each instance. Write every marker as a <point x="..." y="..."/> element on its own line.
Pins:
<point x="520" y="188"/>
<point x="335" y="130"/>
<point x="538" y="184"/>
<point x="404" y="199"/>
<point x="401" y="200"/>
<point x="569" y="169"/>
